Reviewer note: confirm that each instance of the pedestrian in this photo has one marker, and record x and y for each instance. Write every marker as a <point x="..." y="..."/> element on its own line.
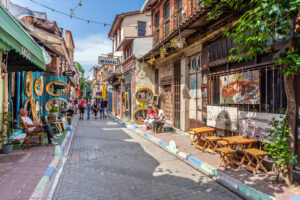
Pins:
<point x="81" y="108"/>
<point x="160" y="119"/>
<point x="75" y="102"/>
<point x="105" y="107"/>
<point x="95" y="109"/>
<point x="102" y="109"/>
<point x="88" y="108"/>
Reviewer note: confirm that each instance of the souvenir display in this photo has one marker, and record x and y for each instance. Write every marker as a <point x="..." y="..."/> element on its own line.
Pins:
<point x="140" y="115"/>
<point x="62" y="104"/>
<point x="144" y="95"/>
<point x="57" y="88"/>
<point x="38" y="87"/>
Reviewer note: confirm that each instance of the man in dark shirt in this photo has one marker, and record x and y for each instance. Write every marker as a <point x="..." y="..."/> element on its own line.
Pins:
<point x="102" y="108"/>
<point x="106" y="107"/>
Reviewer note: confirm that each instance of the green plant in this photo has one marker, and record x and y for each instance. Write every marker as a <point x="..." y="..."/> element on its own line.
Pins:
<point x="7" y="124"/>
<point x="54" y="110"/>
<point x="280" y="149"/>
<point x="174" y="43"/>
<point x="152" y="60"/>
<point x="69" y="118"/>
<point x="261" y="23"/>
<point x="163" y="50"/>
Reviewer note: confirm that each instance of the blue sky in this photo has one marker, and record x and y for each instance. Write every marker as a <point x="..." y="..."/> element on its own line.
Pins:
<point x="90" y="39"/>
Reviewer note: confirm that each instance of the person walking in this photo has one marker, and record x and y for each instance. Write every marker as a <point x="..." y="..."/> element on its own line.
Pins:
<point x="95" y="109"/>
<point x="88" y="108"/>
<point x="102" y="108"/>
<point x="105" y="107"/>
<point x="81" y="108"/>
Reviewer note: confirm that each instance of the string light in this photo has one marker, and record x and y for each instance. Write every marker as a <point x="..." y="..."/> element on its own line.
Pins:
<point x="71" y="16"/>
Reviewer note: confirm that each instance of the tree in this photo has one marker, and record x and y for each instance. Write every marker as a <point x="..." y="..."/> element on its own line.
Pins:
<point x="260" y="21"/>
<point x="80" y="68"/>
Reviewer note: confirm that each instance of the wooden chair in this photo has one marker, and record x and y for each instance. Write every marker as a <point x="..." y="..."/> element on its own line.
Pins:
<point x="210" y="143"/>
<point x="250" y="155"/>
<point x="30" y="135"/>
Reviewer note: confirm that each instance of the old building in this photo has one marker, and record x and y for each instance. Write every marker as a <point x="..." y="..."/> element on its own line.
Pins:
<point x="132" y="38"/>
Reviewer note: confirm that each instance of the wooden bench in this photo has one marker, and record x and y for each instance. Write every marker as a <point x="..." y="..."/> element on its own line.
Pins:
<point x="30" y="135"/>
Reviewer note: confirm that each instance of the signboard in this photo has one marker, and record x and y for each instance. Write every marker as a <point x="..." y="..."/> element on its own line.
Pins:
<point x="222" y="117"/>
<point x="105" y="60"/>
<point x="255" y="124"/>
<point x="69" y="73"/>
<point x="242" y="88"/>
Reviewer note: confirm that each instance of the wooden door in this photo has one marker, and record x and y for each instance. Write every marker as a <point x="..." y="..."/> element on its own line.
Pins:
<point x="167" y="101"/>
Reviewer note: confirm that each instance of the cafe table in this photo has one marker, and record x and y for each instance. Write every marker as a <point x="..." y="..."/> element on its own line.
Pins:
<point x="199" y="133"/>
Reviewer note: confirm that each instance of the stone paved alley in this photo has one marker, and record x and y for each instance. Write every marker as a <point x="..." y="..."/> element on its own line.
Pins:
<point x="107" y="161"/>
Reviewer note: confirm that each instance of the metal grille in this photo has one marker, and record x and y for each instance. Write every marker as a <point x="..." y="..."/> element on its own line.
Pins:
<point x="177" y="94"/>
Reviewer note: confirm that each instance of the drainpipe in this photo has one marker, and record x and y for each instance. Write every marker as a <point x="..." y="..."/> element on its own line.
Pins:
<point x="18" y="95"/>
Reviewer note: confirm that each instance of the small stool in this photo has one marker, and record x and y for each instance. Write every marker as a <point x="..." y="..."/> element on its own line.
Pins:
<point x="210" y="143"/>
<point x="226" y="157"/>
<point x="192" y="136"/>
<point x="256" y="154"/>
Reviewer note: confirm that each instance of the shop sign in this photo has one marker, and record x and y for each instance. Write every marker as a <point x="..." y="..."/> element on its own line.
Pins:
<point x="26" y="53"/>
<point x="110" y="61"/>
<point x="69" y="73"/>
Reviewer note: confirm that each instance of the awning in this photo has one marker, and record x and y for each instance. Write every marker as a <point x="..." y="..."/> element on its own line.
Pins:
<point x="24" y="53"/>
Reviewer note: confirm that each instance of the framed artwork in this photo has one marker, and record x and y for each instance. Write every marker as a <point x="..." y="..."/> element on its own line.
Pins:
<point x="155" y="99"/>
<point x="28" y="84"/>
<point x="241" y="88"/>
<point x="57" y="88"/>
<point x="143" y="95"/>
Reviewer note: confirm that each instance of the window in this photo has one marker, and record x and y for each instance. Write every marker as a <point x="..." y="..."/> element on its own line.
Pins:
<point x="157" y="21"/>
<point x="141" y="28"/>
<point x="167" y="18"/>
<point x="180" y="11"/>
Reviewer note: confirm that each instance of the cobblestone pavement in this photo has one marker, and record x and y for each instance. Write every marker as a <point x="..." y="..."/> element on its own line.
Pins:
<point x="107" y="161"/>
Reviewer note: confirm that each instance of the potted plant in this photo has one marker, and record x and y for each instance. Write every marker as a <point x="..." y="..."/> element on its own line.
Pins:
<point x="174" y="42"/>
<point x="69" y="119"/>
<point x="7" y="120"/>
<point x="151" y="61"/>
<point x="163" y="52"/>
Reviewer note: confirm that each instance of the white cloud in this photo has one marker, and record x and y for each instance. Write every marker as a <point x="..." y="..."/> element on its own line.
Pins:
<point x="88" y="49"/>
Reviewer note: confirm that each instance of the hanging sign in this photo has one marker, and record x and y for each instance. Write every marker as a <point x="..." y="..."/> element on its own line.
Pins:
<point x="105" y="60"/>
<point x="69" y="73"/>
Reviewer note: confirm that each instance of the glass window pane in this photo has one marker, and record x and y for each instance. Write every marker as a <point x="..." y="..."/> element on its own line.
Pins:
<point x="141" y="25"/>
<point x="167" y="11"/>
<point x="179" y="3"/>
<point x="141" y="32"/>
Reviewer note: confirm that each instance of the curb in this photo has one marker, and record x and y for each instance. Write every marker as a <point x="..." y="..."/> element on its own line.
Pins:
<point x="227" y="181"/>
<point x="45" y="181"/>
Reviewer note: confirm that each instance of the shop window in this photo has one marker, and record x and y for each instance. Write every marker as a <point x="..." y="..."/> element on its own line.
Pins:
<point x="141" y="28"/>
<point x="271" y="93"/>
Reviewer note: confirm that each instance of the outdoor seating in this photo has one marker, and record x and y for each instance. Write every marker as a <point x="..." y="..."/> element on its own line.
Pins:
<point x="227" y="155"/>
<point x="199" y="133"/>
<point x="31" y="135"/>
<point x="252" y="155"/>
<point x="210" y="142"/>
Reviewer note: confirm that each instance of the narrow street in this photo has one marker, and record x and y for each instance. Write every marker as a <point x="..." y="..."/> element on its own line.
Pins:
<point x="107" y="161"/>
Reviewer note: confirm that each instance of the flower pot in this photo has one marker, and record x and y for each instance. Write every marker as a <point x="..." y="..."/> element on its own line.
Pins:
<point x="69" y="122"/>
<point x="163" y="55"/>
<point x="151" y="62"/>
<point x="7" y="148"/>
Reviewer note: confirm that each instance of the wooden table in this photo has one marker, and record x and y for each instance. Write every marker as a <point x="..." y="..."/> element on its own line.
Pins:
<point x="235" y="141"/>
<point x="258" y="155"/>
<point x="210" y="142"/>
<point x="199" y="132"/>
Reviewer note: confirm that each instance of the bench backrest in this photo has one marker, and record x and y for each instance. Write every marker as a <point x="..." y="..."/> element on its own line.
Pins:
<point x="23" y="124"/>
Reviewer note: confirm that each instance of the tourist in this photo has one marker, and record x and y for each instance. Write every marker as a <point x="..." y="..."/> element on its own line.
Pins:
<point x="81" y="108"/>
<point x="160" y="119"/>
<point x="151" y="116"/>
<point x="88" y="108"/>
<point x="105" y="107"/>
<point x="102" y="108"/>
<point x="33" y="126"/>
<point x="95" y="109"/>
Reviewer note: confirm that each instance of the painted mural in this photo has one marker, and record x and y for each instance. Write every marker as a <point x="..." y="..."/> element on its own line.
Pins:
<point x="222" y="117"/>
<point x="242" y="88"/>
<point x="255" y="125"/>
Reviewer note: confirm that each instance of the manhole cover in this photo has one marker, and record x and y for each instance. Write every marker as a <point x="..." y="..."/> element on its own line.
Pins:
<point x="11" y="158"/>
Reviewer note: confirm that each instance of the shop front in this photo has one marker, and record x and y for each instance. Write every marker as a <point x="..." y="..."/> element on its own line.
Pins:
<point x="243" y="98"/>
<point x="18" y="52"/>
<point x="127" y="93"/>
